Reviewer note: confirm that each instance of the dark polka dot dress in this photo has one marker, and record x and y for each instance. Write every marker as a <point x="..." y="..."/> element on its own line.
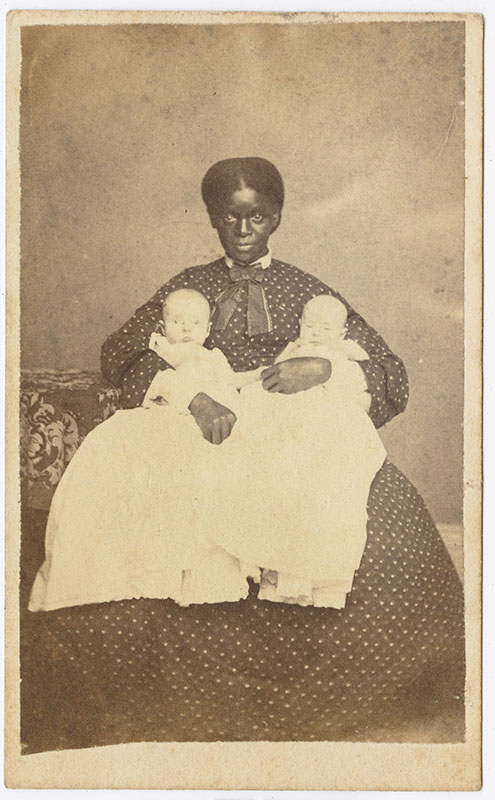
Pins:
<point x="149" y="670"/>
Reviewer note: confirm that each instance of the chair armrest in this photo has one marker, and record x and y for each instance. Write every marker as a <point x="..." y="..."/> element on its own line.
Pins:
<point x="57" y="410"/>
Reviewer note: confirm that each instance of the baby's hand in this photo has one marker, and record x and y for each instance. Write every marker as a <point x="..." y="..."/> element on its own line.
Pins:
<point x="158" y="343"/>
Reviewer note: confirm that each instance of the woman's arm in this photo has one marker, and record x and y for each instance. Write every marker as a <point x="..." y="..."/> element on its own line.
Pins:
<point x="384" y="371"/>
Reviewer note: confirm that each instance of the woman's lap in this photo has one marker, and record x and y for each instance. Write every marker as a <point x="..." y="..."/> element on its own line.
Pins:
<point x="151" y="670"/>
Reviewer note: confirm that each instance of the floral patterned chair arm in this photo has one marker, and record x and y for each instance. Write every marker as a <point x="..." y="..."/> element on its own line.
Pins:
<point x="58" y="409"/>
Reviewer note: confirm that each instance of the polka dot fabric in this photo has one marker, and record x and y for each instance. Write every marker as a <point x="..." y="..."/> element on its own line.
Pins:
<point x="151" y="670"/>
<point x="128" y="363"/>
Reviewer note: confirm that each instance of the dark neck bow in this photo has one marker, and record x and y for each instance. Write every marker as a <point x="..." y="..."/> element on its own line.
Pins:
<point x="258" y="318"/>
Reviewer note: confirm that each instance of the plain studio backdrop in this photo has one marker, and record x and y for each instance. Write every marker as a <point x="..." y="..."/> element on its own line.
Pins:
<point x="365" y="122"/>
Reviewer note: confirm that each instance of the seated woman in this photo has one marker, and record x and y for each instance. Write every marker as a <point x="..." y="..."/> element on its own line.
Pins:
<point x="151" y="670"/>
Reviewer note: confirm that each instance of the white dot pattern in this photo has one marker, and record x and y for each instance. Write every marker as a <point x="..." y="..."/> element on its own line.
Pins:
<point x="150" y="670"/>
<point x="127" y="362"/>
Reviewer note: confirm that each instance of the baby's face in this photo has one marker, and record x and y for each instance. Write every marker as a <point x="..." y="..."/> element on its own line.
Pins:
<point x="186" y="319"/>
<point x="321" y="326"/>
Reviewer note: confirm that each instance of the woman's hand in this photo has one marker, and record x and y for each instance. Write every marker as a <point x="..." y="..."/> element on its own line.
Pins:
<point x="214" y="420"/>
<point x="296" y="374"/>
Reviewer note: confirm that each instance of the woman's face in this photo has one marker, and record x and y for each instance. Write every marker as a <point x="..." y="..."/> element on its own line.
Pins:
<point x="244" y="224"/>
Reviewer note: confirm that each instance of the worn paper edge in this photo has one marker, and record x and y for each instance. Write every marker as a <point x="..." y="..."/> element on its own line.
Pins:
<point x="255" y="765"/>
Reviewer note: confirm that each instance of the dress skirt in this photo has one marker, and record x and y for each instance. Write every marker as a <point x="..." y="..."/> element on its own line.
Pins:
<point x="387" y="667"/>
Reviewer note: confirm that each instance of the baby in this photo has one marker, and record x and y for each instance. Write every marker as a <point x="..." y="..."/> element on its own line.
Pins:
<point x="128" y="527"/>
<point x="322" y="333"/>
<point x="305" y="463"/>
<point x="184" y="327"/>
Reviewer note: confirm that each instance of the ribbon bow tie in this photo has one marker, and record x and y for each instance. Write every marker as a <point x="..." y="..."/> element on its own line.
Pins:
<point x="258" y="318"/>
<point x="239" y="272"/>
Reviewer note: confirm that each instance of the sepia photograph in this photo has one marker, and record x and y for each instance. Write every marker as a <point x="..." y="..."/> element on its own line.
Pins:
<point x="246" y="279"/>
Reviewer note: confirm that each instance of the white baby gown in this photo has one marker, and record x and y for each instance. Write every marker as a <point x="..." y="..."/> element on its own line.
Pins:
<point x="123" y="520"/>
<point x="148" y="508"/>
<point x="297" y="476"/>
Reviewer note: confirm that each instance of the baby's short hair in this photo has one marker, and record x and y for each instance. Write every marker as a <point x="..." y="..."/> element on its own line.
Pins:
<point x="185" y="293"/>
<point x="327" y="303"/>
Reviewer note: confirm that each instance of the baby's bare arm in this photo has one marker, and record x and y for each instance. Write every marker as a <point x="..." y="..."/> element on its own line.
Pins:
<point x="242" y="379"/>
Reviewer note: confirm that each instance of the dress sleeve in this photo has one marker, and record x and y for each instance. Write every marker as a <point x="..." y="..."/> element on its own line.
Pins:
<point x="126" y="360"/>
<point x="385" y="373"/>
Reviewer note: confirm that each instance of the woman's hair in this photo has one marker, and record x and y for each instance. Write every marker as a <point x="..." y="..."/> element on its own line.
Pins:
<point x="225" y="177"/>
